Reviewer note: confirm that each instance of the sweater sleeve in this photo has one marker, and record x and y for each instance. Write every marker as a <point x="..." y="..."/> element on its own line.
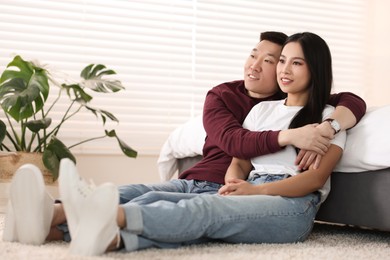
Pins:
<point x="222" y="125"/>
<point x="350" y="101"/>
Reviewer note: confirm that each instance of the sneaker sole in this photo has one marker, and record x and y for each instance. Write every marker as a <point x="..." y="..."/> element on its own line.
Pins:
<point x="68" y="173"/>
<point x="9" y="233"/>
<point x="27" y="196"/>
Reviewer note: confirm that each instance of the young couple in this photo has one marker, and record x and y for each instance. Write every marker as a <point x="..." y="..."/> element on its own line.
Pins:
<point x="235" y="205"/>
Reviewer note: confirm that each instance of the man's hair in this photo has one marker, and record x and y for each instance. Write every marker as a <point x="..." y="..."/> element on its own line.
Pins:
<point x="275" y="37"/>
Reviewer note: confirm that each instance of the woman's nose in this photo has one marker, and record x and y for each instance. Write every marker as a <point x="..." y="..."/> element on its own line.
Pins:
<point x="286" y="69"/>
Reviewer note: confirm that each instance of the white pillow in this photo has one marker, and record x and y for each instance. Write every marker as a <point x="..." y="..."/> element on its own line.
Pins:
<point x="185" y="141"/>
<point x="368" y="143"/>
<point x="367" y="147"/>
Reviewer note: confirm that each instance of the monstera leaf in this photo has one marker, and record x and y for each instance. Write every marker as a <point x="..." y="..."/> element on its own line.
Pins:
<point x="36" y="125"/>
<point x="24" y="89"/>
<point x="53" y="154"/>
<point x="93" y="79"/>
<point x="127" y="150"/>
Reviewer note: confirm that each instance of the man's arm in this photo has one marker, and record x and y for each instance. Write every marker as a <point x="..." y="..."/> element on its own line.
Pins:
<point x="350" y="108"/>
<point x="223" y="125"/>
<point x="223" y="116"/>
<point x="225" y="129"/>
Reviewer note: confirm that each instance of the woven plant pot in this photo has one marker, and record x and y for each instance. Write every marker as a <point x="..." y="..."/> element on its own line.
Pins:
<point x="10" y="163"/>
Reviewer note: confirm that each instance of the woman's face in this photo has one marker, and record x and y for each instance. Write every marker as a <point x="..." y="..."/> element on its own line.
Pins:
<point x="292" y="72"/>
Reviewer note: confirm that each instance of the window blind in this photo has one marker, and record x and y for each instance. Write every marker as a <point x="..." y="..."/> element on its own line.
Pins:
<point x="167" y="54"/>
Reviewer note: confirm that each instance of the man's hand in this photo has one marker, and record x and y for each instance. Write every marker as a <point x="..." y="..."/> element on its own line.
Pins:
<point x="309" y="137"/>
<point x="237" y="187"/>
<point x="306" y="158"/>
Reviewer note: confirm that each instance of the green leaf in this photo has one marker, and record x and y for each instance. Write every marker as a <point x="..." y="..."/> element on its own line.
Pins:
<point x="77" y="93"/>
<point x="3" y="131"/>
<point x="24" y="88"/>
<point x="53" y="154"/>
<point x="103" y="114"/>
<point x="36" y="125"/>
<point x="93" y="75"/>
<point x="127" y="150"/>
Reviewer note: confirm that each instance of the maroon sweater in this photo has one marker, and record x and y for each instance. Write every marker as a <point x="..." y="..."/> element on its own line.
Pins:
<point x="224" y="111"/>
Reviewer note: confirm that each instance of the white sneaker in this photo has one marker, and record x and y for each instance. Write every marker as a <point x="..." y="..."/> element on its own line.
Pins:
<point x="9" y="233"/>
<point x="73" y="192"/>
<point x="98" y="222"/>
<point x="30" y="208"/>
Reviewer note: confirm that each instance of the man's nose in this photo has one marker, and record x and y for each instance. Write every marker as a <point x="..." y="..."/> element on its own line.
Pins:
<point x="256" y="65"/>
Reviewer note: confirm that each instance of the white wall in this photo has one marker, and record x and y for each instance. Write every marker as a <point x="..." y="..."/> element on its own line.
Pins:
<point x="118" y="169"/>
<point x="377" y="85"/>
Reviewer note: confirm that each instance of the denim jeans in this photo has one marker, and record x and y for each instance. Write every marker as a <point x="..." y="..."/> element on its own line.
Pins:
<point x="210" y="217"/>
<point x="172" y="190"/>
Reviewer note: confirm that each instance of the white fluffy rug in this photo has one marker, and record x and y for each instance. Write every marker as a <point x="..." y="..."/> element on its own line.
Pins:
<point x="325" y="242"/>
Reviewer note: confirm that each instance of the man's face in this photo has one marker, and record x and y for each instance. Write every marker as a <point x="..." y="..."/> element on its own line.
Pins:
<point x="260" y="69"/>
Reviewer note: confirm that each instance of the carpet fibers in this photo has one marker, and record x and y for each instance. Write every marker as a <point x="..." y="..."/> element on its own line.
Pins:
<point x="325" y="242"/>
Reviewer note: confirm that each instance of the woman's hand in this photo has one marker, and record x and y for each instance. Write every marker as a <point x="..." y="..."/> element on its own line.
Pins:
<point x="238" y="187"/>
<point x="306" y="158"/>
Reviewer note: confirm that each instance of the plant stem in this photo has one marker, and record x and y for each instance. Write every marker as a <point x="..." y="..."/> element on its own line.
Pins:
<point x="5" y="147"/>
<point x="65" y="117"/>
<point x="87" y="140"/>
<point x="57" y="128"/>
<point x="31" y="141"/>
<point x="44" y="130"/>
<point x="15" y="141"/>
<point x="52" y="105"/>
<point x="16" y="145"/>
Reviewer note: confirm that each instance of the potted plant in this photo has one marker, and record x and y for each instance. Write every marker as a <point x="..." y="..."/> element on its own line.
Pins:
<point x="27" y="127"/>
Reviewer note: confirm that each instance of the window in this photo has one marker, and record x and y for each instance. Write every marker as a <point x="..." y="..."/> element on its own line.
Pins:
<point x="168" y="54"/>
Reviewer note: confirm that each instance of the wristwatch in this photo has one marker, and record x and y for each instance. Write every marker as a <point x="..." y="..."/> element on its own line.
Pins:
<point x="334" y="124"/>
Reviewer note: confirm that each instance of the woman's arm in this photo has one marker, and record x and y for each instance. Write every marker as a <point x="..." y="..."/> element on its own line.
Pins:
<point x="238" y="169"/>
<point x="295" y="186"/>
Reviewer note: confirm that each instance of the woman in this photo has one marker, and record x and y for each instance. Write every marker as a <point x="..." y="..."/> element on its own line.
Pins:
<point x="97" y="224"/>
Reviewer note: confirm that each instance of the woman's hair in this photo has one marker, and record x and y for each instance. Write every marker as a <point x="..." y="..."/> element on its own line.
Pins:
<point x="319" y="61"/>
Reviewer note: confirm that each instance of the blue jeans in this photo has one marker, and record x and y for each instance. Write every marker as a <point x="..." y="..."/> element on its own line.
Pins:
<point x="234" y="219"/>
<point x="172" y="190"/>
